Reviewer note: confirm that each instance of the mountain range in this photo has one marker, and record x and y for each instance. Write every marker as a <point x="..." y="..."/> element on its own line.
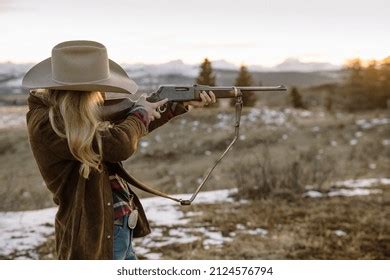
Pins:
<point x="178" y="67"/>
<point x="150" y="76"/>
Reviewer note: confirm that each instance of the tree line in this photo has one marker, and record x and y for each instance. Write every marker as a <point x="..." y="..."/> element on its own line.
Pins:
<point x="366" y="86"/>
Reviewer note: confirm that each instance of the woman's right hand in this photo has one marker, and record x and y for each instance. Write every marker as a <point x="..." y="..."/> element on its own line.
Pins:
<point x="151" y="108"/>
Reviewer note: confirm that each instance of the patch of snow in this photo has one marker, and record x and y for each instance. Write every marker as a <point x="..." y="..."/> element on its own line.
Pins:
<point x="358" y="134"/>
<point x="240" y="227"/>
<point x="366" y="124"/>
<point x="363" y="183"/>
<point x="385" y="142"/>
<point x="192" y="214"/>
<point x="305" y="114"/>
<point x="257" y="231"/>
<point x="356" y="187"/>
<point x="313" y="194"/>
<point x="144" y="144"/>
<point x="352" y="192"/>
<point x="315" y="129"/>
<point x="372" y="165"/>
<point x="340" y="232"/>
<point x="266" y="115"/>
<point x="23" y="230"/>
<point x="153" y="256"/>
<point x="215" y="238"/>
<point x="353" y="142"/>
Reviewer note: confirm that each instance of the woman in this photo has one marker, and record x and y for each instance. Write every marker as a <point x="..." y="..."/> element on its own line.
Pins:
<point x="79" y="154"/>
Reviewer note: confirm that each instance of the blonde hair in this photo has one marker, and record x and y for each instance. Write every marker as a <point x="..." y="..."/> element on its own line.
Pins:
<point x="75" y="115"/>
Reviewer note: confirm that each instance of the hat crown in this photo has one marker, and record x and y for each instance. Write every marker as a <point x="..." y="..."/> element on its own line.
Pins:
<point x="79" y="62"/>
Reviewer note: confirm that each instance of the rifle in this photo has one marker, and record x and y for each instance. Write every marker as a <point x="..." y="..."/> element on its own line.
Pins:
<point x="116" y="109"/>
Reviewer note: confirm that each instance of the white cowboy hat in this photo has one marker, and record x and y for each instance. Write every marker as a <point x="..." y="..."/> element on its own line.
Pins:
<point x="79" y="65"/>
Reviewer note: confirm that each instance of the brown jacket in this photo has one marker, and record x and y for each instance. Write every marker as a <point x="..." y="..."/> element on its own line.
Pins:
<point x="84" y="221"/>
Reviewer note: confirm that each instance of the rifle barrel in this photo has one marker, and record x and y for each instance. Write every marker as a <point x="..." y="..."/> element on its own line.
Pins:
<point x="228" y="91"/>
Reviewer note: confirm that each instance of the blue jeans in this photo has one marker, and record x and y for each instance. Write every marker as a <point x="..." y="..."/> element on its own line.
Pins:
<point x="123" y="238"/>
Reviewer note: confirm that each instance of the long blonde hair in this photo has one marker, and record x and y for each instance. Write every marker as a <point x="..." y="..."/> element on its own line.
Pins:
<point x="75" y="115"/>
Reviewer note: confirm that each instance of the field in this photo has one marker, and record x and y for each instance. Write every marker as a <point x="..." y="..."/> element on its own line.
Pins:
<point x="285" y="194"/>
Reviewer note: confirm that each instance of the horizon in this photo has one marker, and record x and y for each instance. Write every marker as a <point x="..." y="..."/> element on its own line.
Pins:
<point x="196" y="63"/>
<point x="155" y="32"/>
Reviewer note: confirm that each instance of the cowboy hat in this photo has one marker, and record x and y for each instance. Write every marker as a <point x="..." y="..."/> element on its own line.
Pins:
<point x="82" y="66"/>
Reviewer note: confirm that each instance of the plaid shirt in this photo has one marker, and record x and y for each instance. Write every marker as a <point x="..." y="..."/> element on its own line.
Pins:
<point x="122" y="198"/>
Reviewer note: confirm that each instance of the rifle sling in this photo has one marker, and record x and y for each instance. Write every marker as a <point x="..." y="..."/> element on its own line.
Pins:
<point x="140" y="185"/>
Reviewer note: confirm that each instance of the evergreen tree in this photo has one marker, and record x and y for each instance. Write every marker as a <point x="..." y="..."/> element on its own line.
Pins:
<point x="384" y="78"/>
<point x="244" y="78"/>
<point x="367" y="87"/>
<point x="207" y="77"/>
<point x="296" y="98"/>
<point x="355" y="73"/>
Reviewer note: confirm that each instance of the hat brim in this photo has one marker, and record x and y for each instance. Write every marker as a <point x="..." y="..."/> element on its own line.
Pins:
<point x="40" y="76"/>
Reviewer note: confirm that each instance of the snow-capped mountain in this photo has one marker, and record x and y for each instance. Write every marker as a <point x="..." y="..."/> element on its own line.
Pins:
<point x="174" y="67"/>
<point x="293" y="64"/>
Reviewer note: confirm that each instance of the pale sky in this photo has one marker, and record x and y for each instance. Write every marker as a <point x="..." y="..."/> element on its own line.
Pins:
<point x="240" y="31"/>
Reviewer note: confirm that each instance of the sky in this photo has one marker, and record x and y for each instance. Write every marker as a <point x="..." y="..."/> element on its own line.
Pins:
<point x="241" y="31"/>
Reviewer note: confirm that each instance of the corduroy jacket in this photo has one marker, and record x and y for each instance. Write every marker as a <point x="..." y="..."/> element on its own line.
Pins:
<point x="84" y="220"/>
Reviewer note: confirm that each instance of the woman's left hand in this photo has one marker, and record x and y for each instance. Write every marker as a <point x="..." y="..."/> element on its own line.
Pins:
<point x="206" y="100"/>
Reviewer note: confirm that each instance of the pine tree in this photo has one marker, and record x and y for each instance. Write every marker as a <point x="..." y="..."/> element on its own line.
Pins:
<point x="207" y="77"/>
<point x="367" y="87"/>
<point x="384" y="77"/>
<point x="296" y="98"/>
<point x="244" y="78"/>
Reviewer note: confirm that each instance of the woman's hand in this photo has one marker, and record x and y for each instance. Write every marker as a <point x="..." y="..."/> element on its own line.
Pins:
<point x="151" y="107"/>
<point x="206" y="100"/>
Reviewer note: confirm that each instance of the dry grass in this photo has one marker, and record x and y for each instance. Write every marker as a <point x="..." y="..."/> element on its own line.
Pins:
<point x="271" y="164"/>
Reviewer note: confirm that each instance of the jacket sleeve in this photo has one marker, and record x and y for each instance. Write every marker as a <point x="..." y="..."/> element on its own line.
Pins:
<point x="174" y="109"/>
<point x="119" y="142"/>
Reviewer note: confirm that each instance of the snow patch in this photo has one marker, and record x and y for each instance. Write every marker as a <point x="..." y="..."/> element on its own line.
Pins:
<point x="23" y="231"/>
<point x="340" y="232"/>
<point x="355" y="187"/>
<point x="363" y="183"/>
